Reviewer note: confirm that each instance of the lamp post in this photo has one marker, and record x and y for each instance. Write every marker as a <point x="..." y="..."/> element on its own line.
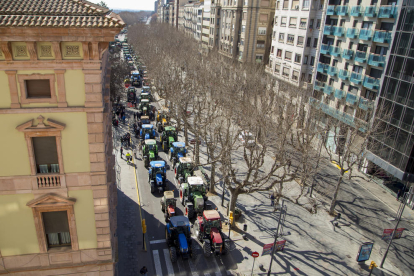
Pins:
<point x="282" y="212"/>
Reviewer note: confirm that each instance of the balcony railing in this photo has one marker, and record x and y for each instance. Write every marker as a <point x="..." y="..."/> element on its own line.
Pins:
<point x="356" y="11"/>
<point x="360" y="56"/>
<point x="370" y="11"/>
<point x="365" y="104"/>
<point x="347" y="54"/>
<point x="338" y="31"/>
<point x="334" y="51"/>
<point x="371" y="83"/>
<point x="48" y="181"/>
<point x="332" y="71"/>
<point x="324" y="49"/>
<point x="352" y="33"/>
<point x="328" y="90"/>
<point x="341" y="10"/>
<point x="382" y="36"/>
<point x="376" y="60"/>
<point x="356" y="78"/>
<point x="319" y="85"/>
<point x="322" y="68"/>
<point x="343" y="74"/>
<point x="330" y="10"/>
<point x="328" y="30"/>
<point x="387" y="12"/>
<point x="339" y="94"/>
<point x="351" y="98"/>
<point x="365" y="34"/>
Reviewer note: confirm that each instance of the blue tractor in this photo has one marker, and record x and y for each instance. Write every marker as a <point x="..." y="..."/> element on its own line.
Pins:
<point x="147" y="132"/>
<point x="177" y="150"/>
<point x="157" y="175"/>
<point x="178" y="236"/>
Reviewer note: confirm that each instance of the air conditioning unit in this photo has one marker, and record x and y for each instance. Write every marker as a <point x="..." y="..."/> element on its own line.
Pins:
<point x="296" y="7"/>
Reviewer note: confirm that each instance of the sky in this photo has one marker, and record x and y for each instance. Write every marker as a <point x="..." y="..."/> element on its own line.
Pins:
<point x="128" y="4"/>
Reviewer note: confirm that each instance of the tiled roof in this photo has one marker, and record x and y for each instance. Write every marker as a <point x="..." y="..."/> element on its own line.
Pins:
<point x="56" y="13"/>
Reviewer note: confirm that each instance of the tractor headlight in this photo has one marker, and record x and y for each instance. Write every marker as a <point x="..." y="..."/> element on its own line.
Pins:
<point x="184" y="250"/>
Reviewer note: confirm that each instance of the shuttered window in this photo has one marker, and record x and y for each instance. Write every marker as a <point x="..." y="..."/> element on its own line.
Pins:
<point x="45" y="152"/>
<point x="286" y="71"/>
<point x="292" y="22"/>
<point x="56" y="227"/>
<point x="277" y="68"/>
<point x="288" y="55"/>
<point x="38" y="88"/>
<point x="283" y="22"/>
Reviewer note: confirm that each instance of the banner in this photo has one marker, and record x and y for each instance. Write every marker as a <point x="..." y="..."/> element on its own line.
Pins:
<point x="364" y="251"/>
<point x="398" y="233"/>
<point x="386" y="235"/>
<point x="267" y="249"/>
<point x="280" y="245"/>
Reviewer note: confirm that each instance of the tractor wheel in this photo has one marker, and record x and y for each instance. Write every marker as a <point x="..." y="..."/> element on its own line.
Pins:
<point x="169" y="156"/>
<point x="207" y="249"/>
<point x="180" y="180"/>
<point x="166" y="235"/>
<point x="173" y="254"/>
<point x="182" y="197"/>
<point x="152" y="189"/>
<point x="146" y="162"/>
<point x="189" y="212"/>
<point x="162" y="208"/>
<point x="159" y="128"/>
<point x="166" y="217"/>
<point x="164" y="146"/>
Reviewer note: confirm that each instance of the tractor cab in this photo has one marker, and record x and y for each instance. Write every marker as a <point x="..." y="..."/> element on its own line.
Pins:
<point x="210" y="220"/>
<point x="168" y="137"/>
<point x="168" y="204"/>
<point x="184" y="169"/>
<point x="145" y="120"/>
<point x="146" y="89"/>
<point x="149" y="151"/>
<point x="178" y="236"/>
<point x="144" y="107"/>
<point x="162" y="119"/>
<point x="145" y="96"/>
<point x="131" y="95"/>
<point x="157" y="176"/>
<point x="147" y="132"/>
<point x="177" y="150"/>
<point x="193" y="196"/>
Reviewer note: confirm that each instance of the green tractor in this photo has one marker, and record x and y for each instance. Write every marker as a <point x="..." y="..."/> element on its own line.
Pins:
<point x="144" y="107"/>
<point x="177" y="150"/>
<point x="168" y="136"/>
<point x="184" y="169"/>
<point x="193" y="196"/>
<point x="149" y="151"/>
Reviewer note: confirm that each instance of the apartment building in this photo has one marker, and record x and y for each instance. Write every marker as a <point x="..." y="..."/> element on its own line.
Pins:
<point x="205" y="27"/>
<point x="295" y="40"/>
<point x="215" y="11"/>
<point x="172" y="14"/>
<point x="229" y="27"/>
<point x="57" y="180"/>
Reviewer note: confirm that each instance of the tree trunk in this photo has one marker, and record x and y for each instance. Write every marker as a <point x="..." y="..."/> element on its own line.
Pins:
<point x="234" y="194"/>
<point x="335" y="195"/>
<point x="213" y="178"/>
<point x="197" y="150"/>
<point x="185" y="134"/>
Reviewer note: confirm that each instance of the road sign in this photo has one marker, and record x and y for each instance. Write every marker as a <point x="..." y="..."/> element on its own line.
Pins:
<point x="255" y="254"/>
<point x="364" y="251"/>
<point x="267" y="249"/>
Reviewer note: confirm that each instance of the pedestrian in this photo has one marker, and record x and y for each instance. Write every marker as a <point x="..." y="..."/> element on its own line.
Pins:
<point x="144" y="271"/>
<point x="121" y="151"/>
<point x="123" y="119"/>
<point x="399" y="194"/>
<point x="272" y="199"/>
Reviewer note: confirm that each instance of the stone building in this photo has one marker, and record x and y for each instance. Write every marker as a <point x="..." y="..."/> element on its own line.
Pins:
<point x="57" y="184"/>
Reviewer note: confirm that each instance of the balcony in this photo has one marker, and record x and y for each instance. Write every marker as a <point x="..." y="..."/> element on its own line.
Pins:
<point x="324" y="49"/>
<point x="376" y="60"/>
<point x="343" y="74"/>
<point x="371" y="83"/>
<point x="356" y="11"/>
<point x="341" y="10"/>
<point x="365" y="104"/>
<point x="45" y="181"/>
<point x="356" y="78"/>
<point x="328" y="30"/>
<point x="330" y="10"/>
<point x="322" y="68"/>
<point x="319" y="86"/>
<point x="370" y="11"/>
<point x="365" y="34"/>
<point x="382" y="37"/>
<point x="351" y="98"/>
<point x="334" y="51"/>
<point x="332" y="71"/>
<point x="328" y="90"/>
<point x="347" y="54"/>
<point x="352" y="33"/>
<point x="339" y="94"/>
<point x="338" y="31"/>
<point x="387" y="12"/>
<point x="360" y="56"/>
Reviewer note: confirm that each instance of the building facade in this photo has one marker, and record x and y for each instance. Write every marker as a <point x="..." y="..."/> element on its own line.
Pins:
<point x="57" y="184"/>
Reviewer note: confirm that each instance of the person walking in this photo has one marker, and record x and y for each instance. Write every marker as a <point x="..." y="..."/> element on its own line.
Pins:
<point x="121" y="151"/>
<point x="143" y="271"/>
<point x="128" y="158"/>
<point x="272" y="199"/>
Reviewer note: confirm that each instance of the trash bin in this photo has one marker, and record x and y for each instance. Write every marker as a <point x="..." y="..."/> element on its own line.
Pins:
<point x="244" y="227"/>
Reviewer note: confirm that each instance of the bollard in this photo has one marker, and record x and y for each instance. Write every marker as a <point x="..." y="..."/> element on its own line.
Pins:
<point x="244" y="227"/>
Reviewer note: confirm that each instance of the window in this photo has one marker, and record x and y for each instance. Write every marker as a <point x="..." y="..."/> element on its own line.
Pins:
<point x="288" y="55"/>
<point x="283" y="22"/>
<point x="305" y="4"/>
<point x="260" y="44"/>
<point x="290" y="39"/>
<point x="311" y="24"/>
<point x="259" y="58"/>
<point x="56" y="228"/>
<point x="292" y="22"/>
<point x="308" y="42"/>
<point x="265" y="3"/>
<point x="277" y="68"/>
<point x="300" y="41"/>
<point x="295" y="76"/>
<point x="243" y="28"/>
<point x="273" y="49"/>
<point x="286" y="4"/>
<point x="315" y="42"/>
<point x="262" y="30"/>
<point x="305" y="60"/>
<point x="335" y="62"/>
<point x="37" y="89"/>
<point x="274" y="34"/>
<point x="286" y="71"/>
<point x="244" y="15"/>
<point x="312" y="61"/>
<point x="295" y="4"/>
<point x="318" y="24"/>
<point x="310" y="78"/>
<point x="263" y="17"/>
<point x="303" y="22"/>
<point x="281" y="37"/>
<point x="298" y="57"/>
<point x="275" y="20"/>
<point x="45" y="153"/>
<point x="279" y="53"/>
<point x="331" y="81"/>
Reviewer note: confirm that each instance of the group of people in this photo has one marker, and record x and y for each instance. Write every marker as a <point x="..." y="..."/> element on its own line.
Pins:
<point x="119" y="112"/>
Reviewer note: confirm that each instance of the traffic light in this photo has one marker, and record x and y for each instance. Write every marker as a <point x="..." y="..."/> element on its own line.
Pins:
<point x="144" y="227"/>
<point x="231" y="219"/>
<point x="372" y="265"/>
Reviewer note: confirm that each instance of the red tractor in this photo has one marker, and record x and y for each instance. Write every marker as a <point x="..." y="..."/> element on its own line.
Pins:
<point x="207" y="229"/>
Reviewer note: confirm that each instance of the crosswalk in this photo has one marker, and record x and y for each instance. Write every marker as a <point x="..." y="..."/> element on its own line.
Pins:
<point x="196" y="266"/>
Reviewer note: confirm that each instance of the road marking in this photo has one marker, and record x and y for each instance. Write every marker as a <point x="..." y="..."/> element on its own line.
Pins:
<point x="180" y="268"/>
<point x="217" y="268"/>
<point x="157" y="241"/>
<point x="192" y="267"/>
<point x="168" y="263"/>
<point x="157" y="262"/>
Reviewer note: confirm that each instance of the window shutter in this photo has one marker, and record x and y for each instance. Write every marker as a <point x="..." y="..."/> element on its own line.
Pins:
<point x="45" y="150"/>
<point x="38" y="88"/>
<point x="293" y="21"/>
<point x="55" y="222"/>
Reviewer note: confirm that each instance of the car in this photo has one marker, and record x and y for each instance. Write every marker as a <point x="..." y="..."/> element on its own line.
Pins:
<point x="247" y="138"/>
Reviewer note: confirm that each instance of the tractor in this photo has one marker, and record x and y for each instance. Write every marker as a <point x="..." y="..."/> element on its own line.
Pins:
<point x="177" y="150"/>
<point x="168" y="204"/>
<point x="149" y="151"/>
<point x="157" y="176"/>
<point x="178" y="236"/>
<point x="162" y="119"/>
<point x="168" y="136"/>
<point x="147" y="132"/>
<point x="207" y="229"/>
<point x="146" y="89"/>
<point x="144" y="96"/>
<point x="184" y="169"/>
<point x="144" y="108"/>
<point x="127" y="82"/>
<point x="145" y="120"/>
<point x="193" y="196"/>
